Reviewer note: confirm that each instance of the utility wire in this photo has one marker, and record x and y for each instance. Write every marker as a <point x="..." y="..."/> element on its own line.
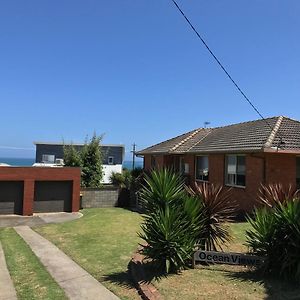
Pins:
<point x="220" y="64"/>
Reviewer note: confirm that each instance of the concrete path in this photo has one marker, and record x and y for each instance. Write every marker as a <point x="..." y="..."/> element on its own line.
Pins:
<point x="7" y="290"/>
<point x="77" y="283"/>
<point x="37" y="219"/>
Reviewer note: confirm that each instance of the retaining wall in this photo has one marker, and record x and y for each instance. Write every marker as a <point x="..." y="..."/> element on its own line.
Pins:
<point x="106" y="196"/>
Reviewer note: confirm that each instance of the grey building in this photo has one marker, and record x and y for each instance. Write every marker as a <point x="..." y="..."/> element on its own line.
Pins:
<point x="51" y="153"/>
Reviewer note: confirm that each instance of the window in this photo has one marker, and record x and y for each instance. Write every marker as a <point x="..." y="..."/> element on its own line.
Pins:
<point x="202" y="170"/>
<point x="110" y="160"/>
<point x="48" y="158"/>
<point x="184" y="168"/>
<point x="235" y="168"/>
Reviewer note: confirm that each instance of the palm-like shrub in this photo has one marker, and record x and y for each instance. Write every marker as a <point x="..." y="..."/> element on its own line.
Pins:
<point x="273" y="194"/>
<point x="177" y="218"/>
<point x="161" y="188"/>
<point x="275" y="233"/>
<point x="170" y="235"/>
<point x="172" y="220"/>
<point x="217" y="210"/>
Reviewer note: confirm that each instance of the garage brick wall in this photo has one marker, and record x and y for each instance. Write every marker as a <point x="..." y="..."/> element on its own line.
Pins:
<point x="29" y="175"/>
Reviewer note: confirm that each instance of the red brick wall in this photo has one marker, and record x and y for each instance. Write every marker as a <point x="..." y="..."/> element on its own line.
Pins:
<point x="281" y="168"/>
<point x="31" y="174"/>
<point x="159" y="161"/>
<point x="260" y="168"/>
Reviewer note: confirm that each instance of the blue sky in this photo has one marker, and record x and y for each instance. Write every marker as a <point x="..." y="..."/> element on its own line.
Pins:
<point x="134" y="70"/>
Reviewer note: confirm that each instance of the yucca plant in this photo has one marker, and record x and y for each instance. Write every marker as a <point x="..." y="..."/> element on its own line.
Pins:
<point x="160" y="188"/>
<point x="217" y="210"/>
<point x="275" y="233"/>
<point x="170" y="235"/>
<point x="172" y="221"/>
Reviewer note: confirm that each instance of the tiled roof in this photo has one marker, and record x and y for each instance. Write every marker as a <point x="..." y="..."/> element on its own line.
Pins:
<point x="248" y="136"/>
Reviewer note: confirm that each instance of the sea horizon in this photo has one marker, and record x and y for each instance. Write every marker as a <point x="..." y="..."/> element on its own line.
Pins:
<point x="27" y="162"/>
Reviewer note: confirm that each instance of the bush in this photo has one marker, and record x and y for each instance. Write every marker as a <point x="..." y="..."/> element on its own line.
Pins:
<point x="171" y="234"/>
<point x="275" y="234"/>
<point x="178" y="218"/>
<point x="171" y="223"/>
<point x="217" y="210"/>
<point x="273" y="194"/>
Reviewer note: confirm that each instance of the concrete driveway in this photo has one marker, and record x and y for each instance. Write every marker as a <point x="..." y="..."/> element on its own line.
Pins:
<point x="37" y="219"/>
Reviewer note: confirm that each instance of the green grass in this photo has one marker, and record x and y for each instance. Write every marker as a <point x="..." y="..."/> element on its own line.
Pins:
<point x="102" y="242"/>
<point x="30" y="278"/>
<point x="225" y="282"/>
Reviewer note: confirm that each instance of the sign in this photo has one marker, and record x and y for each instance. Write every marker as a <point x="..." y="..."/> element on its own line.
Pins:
<point x="228" y="258"/>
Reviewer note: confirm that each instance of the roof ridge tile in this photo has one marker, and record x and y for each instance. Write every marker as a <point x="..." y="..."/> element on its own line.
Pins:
<point x="186" y="139"/>
<point x="273" y="133"/>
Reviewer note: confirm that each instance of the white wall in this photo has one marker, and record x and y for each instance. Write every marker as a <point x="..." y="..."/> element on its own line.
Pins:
<point x="108" y="169"/>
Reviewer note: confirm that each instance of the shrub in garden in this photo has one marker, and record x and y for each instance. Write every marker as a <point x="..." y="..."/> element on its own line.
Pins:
<point x="275" y="233"/>
<point x="171" y="222"/>
<point x="273" y="194"/>
<point x="178" y="218"/>
<point x="217" y="210"/>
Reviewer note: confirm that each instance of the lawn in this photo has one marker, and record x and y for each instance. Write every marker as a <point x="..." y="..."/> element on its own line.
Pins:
<point x="102" y="242"/>
<point x="30" y="278"/>
<point x="225" y="282"/>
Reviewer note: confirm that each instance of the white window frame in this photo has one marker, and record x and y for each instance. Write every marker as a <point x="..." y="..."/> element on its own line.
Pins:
<point x="227" y="183"/>
<point x="45" y="158"/>
<point x="112" y="160"/>
<point x="199" y="179"/>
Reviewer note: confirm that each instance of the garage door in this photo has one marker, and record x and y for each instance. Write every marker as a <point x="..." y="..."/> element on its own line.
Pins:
<point x="11" y="197"/>
<point x="52" y="196"/>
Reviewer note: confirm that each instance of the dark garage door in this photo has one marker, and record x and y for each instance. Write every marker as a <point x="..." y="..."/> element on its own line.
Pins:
<point x="11" y="197"/>
<point x="52" y="196"/>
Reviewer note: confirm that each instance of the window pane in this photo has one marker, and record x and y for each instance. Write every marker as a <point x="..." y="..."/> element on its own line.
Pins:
<point x="241" y="165"/>
<point x="202" y="170"/>
<point x="231" y="164"/>
<point x="241" y="180"/>
<point x="231" y="179"/>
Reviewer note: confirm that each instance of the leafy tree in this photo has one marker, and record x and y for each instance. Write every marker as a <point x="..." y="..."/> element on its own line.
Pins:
<point x="72" y="157"/>
<point x="91" y="157"/>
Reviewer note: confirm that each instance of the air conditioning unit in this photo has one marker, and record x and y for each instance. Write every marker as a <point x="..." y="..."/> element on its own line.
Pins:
<point x="59" y="161"/>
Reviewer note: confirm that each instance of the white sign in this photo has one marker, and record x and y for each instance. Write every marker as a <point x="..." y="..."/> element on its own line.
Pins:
<point x="229" y="258"/>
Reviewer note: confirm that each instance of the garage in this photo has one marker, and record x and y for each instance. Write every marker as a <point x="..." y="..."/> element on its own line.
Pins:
<point x="53" y="196"/>
<point x="11" y="197"/>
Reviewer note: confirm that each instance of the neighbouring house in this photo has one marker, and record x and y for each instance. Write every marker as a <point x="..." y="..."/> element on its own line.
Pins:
<point x="26" y="190"/>
<point x="240" y="156"/>
<point x="52" y="154"/>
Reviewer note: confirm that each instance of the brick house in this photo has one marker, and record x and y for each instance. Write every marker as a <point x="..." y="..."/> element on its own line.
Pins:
<point x="241" y="156"/>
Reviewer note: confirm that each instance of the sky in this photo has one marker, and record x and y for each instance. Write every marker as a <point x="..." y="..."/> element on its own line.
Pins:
<point x="134" y="71"/>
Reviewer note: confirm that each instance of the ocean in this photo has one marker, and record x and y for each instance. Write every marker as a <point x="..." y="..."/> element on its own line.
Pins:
<point x="25" y="162"/>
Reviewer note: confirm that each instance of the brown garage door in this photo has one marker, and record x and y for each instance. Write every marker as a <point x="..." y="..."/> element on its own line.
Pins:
<point x="52" y="196"/>
<point x="11" y="197"/>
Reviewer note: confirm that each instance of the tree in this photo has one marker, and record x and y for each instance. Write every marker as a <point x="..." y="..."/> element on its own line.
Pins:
<point x="91" y="157"/>
<point x="72" y="157"/>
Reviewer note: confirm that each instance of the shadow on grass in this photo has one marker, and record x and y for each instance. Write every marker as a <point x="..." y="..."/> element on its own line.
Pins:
<point x="152" y="272"/>
<point x="122" y="279"/>
<point x="275" y="288"/>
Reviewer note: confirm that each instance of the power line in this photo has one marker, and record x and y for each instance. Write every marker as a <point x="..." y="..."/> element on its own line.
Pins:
<point x="220" y="64"/>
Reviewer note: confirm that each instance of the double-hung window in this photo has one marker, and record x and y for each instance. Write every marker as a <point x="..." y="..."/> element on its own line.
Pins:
<point x="235" y="170"/>
<point x="202" y="170"/>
